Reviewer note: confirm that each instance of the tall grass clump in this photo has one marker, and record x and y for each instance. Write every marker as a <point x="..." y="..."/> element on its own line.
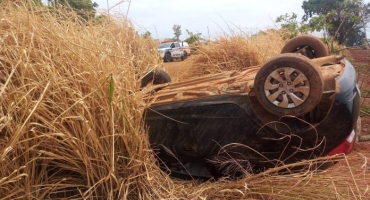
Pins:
<point x="69" y="112"/>
<point x="267" y="43"/>
<point x="236" y="52"/>
<point x="224" y="54"/>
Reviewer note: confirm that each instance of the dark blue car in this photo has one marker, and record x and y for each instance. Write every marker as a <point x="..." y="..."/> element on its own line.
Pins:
<point x="300" y="105"/>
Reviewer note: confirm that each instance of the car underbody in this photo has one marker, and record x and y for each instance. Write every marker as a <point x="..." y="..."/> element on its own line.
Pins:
<point x="232" y="122"/>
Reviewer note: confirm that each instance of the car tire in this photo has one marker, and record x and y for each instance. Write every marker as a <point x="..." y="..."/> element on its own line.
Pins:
<point x="309" y="46"/>
<point x="184" y="56"/>
<point x="155" y="77"/>
<point x="296" y="93"/>
<point x="167" y="57"/>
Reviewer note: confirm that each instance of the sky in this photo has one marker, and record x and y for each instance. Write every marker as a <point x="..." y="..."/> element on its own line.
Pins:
<point x="209" y="17"/>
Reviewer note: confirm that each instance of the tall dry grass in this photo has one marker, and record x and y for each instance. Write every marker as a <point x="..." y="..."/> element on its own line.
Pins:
<point x="69" y="115"/>
<point x="236" y="52"/>
<point x="70" y="120"/>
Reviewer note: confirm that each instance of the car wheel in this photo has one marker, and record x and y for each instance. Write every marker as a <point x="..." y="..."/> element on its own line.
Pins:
<point x="184" y="56"/>
<point x="167" y="57"/>
<point x="289" y="84"/>
<point x="155" y="77"/>
<point x="309" y="46"/>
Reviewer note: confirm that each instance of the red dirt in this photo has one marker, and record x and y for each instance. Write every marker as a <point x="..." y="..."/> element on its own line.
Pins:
<point x="360" y="58"/>
<point x="177" y="69"/>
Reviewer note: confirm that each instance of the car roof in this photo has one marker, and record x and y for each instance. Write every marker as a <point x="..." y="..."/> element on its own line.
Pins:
<point x="184" y="43"/>
<point x="168" y="42"/>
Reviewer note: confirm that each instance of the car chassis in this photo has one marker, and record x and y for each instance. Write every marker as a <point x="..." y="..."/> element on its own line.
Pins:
<point x="290" y="109"/>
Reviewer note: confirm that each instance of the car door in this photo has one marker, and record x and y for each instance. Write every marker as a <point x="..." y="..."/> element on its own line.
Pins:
<point x="176" y="52"/>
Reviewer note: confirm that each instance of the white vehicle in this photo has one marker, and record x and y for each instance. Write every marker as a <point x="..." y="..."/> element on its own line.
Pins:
<point x="186" y="47"/>
<point x="171" y="50"/>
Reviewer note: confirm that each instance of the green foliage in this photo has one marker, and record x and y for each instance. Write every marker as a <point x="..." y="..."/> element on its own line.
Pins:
<point x="356" y="39"/>
<point x="290" y="26"/>
<point x="193" y="38"/>
<point x="147" y="34"/>
<point x="319" y="7"/>
<point x="76" y="4"/>
<point x="342" y="20"/>
<point x="176" y="31"/>
<point x="84" y="8"/>
<point x="20" y="2"/>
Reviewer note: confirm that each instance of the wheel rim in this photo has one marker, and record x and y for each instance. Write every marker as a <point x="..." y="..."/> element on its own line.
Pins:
<point x="287" y="87"/>
<point x="307" y="51"/>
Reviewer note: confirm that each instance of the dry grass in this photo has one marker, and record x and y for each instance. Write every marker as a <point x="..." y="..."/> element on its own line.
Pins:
<point x="267" y="43"/>
<point x="236" y="52"/>
<point x="308" y="184"/>
<point x="224" y="54"/>
<point x="70" y="120"/>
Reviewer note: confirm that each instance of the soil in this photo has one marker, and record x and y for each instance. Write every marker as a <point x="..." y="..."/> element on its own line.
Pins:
<point x="178" y="70"/>
<point x="360" y="58"/>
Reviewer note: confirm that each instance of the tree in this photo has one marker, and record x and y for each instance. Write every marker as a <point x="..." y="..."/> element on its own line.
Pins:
<point x="85" y="8"/>
<point x="176" y="31"/>
<point x="147" y="34"/>
<point x="290" y="26"/>
<point x="356" y="39"/>
<point x="365" y="19"/>
<point x="193" y="38"/>
<point x="340" y="19"/>
<point x="33" y="2"/>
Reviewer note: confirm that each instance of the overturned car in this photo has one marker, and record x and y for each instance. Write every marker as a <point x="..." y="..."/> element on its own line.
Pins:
<point x="300" y="105"/>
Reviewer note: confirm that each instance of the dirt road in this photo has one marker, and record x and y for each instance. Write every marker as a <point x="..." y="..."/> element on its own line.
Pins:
<point x="178" y="69"/>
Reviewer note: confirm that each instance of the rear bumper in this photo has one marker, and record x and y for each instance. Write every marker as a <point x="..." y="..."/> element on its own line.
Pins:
<point x="346" y="146"/>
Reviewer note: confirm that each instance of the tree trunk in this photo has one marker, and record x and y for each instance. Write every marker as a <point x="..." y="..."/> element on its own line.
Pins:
<point x="364" y="25"/>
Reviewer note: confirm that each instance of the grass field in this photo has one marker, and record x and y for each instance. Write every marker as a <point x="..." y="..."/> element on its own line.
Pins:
<point x="71" y="126"/>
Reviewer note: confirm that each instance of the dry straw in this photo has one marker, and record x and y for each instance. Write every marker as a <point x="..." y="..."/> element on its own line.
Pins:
<point x="70" y="119"/>
<point x="236" y="52"/>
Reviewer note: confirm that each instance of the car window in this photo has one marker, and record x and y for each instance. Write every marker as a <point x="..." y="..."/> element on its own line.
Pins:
<point x="183" y="44"/>
<point x="164" y="45"/>
<point x="177" y="44"/>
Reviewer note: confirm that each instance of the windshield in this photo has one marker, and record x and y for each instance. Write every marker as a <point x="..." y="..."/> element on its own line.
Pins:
<point x="164" y="45"/>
